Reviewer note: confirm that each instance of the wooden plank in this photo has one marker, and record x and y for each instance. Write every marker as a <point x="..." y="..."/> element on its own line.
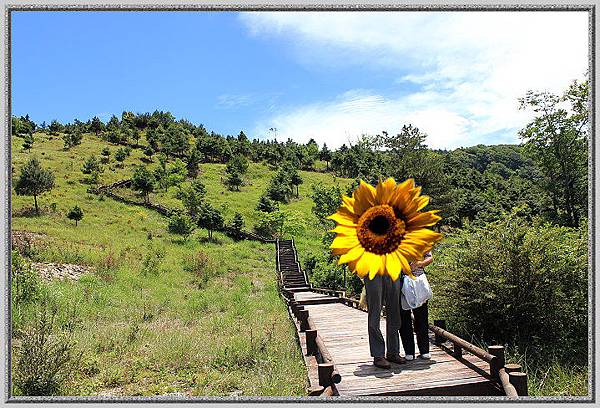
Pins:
<point x="343" y="330"/>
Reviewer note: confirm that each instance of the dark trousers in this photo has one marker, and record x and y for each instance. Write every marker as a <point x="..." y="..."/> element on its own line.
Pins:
<point x="421" y="330"/>
<point x="378" y="289"/>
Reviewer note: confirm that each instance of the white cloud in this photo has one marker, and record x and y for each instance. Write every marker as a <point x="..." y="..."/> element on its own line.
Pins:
<point x="471" y="68"/>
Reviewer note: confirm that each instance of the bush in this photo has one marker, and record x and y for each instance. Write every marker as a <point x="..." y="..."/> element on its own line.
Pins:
<point x="25" y="282"/>
<point x="43" y="358"/>
<point x="514" y="282"/>
<point x="279" y="223"/>
<point x="152" y="260"/>
<point x="181" y="224"/>
<point x="324" y="273"/>
<point x="235" y="228"/>
<point x="201" y="267"/>
<point x="265" y="204"/>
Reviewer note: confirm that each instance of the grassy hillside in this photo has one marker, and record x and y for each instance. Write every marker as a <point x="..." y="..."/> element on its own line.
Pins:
<point x="163" y="315"/>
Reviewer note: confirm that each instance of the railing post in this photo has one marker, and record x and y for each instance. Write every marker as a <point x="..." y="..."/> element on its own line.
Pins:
<point x="325" y="372"/>
<point x="311" y="342"/>
<point x="519" y="381"/>
<point x="442" y="325"/>
<point x="456" y="350"/>
<point x="498" y="362"/>
<point x="303" y="318"/>
<point x="511" y="368"/>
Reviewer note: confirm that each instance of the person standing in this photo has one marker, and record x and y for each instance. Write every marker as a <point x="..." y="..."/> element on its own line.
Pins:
<point x="378" y="289"/>
<point x="421" y="314"/>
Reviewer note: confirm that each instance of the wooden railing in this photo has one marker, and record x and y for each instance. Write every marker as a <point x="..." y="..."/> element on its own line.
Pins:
<point x="328" y="374"/>
<point x="509" y="376"/>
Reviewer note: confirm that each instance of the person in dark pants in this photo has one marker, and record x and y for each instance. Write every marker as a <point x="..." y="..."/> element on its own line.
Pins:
<point x="421" y="324"/>
<point x="378" y="289"/>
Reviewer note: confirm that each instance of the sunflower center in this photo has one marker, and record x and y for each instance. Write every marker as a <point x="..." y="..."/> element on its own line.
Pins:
<point x="379" y="225"/>
<point x="379" y="230"/>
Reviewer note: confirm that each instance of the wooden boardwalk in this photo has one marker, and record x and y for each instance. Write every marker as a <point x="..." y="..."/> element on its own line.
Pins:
<point x="332" y="332"/>
<point x="344" y="332"/>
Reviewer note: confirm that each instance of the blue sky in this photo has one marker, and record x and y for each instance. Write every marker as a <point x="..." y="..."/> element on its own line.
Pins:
<point x="330" y="76"/>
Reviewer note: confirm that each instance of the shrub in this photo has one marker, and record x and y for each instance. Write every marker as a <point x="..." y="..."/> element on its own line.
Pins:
<point x="201" y="267"/>
<point x="265" y="204"/>
<point x="44" y="357"/>
<point x="34" y="180"/>
<point x="181" y="224"/>
<point x="235" y="228"/>
<point x="25" y="283"/>
<point x="75" y="214"/>
<point x="511" y="281"/>
<point x="152" y="260"/>
<point x="323" y="272"/>
<point x="279" y="223"/>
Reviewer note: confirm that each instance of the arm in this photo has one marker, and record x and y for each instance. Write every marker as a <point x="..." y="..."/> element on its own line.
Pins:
<point x="426" y="261"/>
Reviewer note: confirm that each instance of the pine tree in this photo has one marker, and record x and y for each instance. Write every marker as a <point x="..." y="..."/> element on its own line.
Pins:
<point x="75" y="214"/>
<point x="34" y="181"/>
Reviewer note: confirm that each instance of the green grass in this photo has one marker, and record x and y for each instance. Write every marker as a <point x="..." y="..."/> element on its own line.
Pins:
<point x="148" y="328"/>
<point x="158" y="331"/>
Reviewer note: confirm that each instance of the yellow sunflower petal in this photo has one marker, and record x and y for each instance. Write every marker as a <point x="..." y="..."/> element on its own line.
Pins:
<point x="392" y="264"/>
<point x="423" y="235"/>
<point x="344" y="230"/>
<point x="422" y="202"/>
<point x="374" y="264"/>
<point x="400" y="197"/>
<point x="362" y="266"/>
<point x="343" y="219"/>
<point x="339" y="251"/>
<point x="343" y="241"/>
<point x="382" y="269"/>
<point x="420" y="220"/>
<point x="364" y="198"/>
<point x="351" y="256"/>
<point x="385" y="190"/>
<point x="403" y="262"/>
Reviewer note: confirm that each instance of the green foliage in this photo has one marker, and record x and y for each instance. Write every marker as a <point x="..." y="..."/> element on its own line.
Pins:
<point x="193" y="160"/>
<point x="326" y="202"/>
<point x="28" y="141"/>
<point x="279" y="223"/>
<point x="34" y="181"/>
<point x="120" y="155"/>
<point x="143" y="181"/>
<point x="93" y="168"/>
<point x="557" y="139"/>
<point x="511" y="281"/>
<point x="236" y="227"/>
<point x="201" y="267"/>
<point x="75" y="214"/>
<point x="181" y="224"/>
<point x="152" y="261"/>
<point x="265" y="204"/>
<point x="25" y="282"/>
<point x="96" y="125"/>
<point x="72" y="139"/>
<point x="192" y="197"/>
<point x="209" y="218"/>
<point x="44" y="357"/>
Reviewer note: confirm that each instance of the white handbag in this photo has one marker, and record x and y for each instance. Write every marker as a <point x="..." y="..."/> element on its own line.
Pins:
<point x="415" y="292"/>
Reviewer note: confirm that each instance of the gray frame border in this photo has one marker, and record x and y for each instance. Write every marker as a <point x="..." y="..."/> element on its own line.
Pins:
<point x="5" y="200"/>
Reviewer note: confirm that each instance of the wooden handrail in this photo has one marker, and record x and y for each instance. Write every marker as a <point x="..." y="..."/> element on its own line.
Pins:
<point x="482" y="354"/>
<point x="497" y="368"/>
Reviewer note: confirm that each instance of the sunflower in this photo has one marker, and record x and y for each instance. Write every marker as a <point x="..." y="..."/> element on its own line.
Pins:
<point x="382" y="230"/>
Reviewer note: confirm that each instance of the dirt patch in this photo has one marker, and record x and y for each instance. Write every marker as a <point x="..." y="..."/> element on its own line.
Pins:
<point x="49" y="270"/>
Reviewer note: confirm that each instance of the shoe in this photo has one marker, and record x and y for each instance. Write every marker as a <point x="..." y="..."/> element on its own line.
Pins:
<point x="396" y="359"/>
<point x="425" y="356"/>
<point x="409" y="357"/>
<point x="381" y="362"/>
